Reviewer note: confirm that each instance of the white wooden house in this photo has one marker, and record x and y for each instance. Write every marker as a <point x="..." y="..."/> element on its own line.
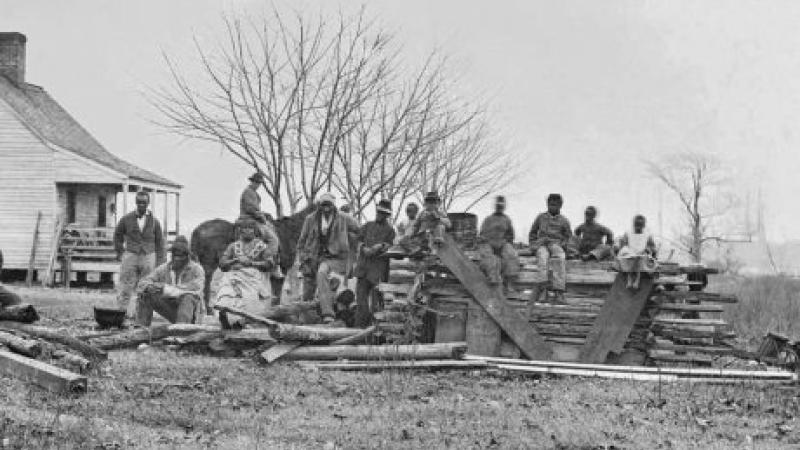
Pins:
<point x="50" y="164"/>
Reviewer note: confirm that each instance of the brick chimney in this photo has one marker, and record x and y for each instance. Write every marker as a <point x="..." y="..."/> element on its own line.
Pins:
<point x="12" y="56"/>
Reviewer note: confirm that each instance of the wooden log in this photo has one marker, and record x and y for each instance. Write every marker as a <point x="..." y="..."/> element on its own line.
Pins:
<point x="40" y="332"/>
<point x="186" y="329"/>
<point x="49" y="377"/>
<point x="391" y="316"/>
<point x="24" y="313"/>
<point x="128" y="339"/>
<point x="491" y="299"/>
<point x="661" y="344"/>
<point x="669" y="356"/>
<point x="690" y="322"/>
<point x="249" y="338"/>
<point x="298" y="333"/>
<point x="690" y="307"/>
<point x="27" y="347"/>
<point x="34" y="246"/>
<point x="356" y="338"/>
<point x="450" y="350"/>
<point x="698" y="296"/>
<point x="397" y="365"/>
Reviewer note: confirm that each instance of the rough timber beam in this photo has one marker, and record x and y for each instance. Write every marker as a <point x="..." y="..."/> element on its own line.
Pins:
<point x="52" y="378"/>
<point x="492" y="300"/>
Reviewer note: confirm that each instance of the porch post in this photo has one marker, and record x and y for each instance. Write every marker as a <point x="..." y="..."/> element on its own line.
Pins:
<point x="177" y="213"/>
<point x="125" y="187"/>
<point x="165" y="220"/>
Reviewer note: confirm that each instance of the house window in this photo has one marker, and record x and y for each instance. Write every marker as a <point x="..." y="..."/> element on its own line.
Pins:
<point x="101" y="211"/>
<point x="71" y="196"/>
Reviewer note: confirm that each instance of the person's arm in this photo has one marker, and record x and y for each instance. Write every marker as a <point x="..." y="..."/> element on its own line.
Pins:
<point x="579" y="231"/>
<point x="227" y="259"/>
<point x="650" y="248"/>
<point x="534" y="233"/>
<point x="271" y="239"/>
<point x="161" y="254"/>
<point x="194" y="282"/>
<point x="152" y="282"/>
<point x="119" y="237"/>
<point x="609" y="236"/>
<point x="566" y="233"/>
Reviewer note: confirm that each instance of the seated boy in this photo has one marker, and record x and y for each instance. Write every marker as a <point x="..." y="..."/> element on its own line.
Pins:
<point x="549" y="236"/>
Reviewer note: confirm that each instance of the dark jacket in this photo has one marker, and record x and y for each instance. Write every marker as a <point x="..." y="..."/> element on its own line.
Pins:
<point x="374" y="268"/>
<point x="250" y="205"/>
<point x="343" y="229"/>
<point x="497" y="229"/>
<point x="549" y="229"/>
<point x="128" y="237"/>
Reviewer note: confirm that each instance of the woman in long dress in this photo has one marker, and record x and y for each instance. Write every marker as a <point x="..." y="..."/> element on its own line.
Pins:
<point x="245" y="284"/>
<point x="637" y="252"/>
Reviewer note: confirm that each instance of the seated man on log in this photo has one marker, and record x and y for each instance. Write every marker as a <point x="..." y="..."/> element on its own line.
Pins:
<point x="174" y="289"/>
<point x="324" y="248"/>
<point x="548" y="237"/>
<point x="7" y="298"/>
<point x="499" y="260"/>
<point x="246" y="265"/>
<point x="373" y="266"/>
<point x="590" y="236"/>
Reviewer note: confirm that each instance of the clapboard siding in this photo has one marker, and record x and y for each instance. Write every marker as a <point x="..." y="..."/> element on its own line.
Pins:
<point x="27" y="185"/>
<point x="86" y="203"/>
<point x="72" y="169"/>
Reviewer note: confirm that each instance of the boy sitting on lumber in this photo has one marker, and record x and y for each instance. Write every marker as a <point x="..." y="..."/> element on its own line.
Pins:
<point x="499" y="261"/>
<point x="549" y="236"/>
<point x="637" y="252"/>
<point x="174" y="289"/>
<point x="590" y="236"/>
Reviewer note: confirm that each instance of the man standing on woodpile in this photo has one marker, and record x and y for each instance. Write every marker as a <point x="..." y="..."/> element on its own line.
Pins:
<point x="428" y="230"/>
<point x="590" y="235"/>
<point x="549" y="237"/>
<point x="499" y="260"/>
<point x="323" y="249"/>
<point x="174" y="289"/>
<point x="139" y="243"/>
<point x="373" y="266"/>
<point x="7" y="298"/>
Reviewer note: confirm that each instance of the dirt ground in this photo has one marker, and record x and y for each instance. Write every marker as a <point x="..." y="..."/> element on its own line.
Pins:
<point x="154" y="398"/>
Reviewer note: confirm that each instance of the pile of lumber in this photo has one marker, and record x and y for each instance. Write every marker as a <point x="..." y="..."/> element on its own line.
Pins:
<point x="680" y="324"/>
<point x="48" y="358"/>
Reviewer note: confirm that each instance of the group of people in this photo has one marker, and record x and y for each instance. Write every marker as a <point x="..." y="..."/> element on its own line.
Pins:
<point x="334" y="247"/>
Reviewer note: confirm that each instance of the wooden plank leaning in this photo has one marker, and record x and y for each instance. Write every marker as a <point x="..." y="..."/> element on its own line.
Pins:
<point x="493" y="301"/>
<point x="52" y="378"/>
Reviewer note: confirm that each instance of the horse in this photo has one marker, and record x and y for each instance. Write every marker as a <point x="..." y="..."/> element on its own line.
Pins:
<point x="210" y="239"/>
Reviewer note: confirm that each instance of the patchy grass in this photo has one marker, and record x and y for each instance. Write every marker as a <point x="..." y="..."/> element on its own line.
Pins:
<point x="766" y="303"/>
<point x="153" y="399"/>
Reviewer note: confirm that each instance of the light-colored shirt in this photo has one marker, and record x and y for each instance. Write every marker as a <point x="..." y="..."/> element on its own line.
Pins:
<point x="141" y="221"/>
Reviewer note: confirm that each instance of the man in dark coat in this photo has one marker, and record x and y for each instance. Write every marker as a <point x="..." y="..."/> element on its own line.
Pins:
<point x="373" y="266"/>
<point x="590" y="236"/>
<point x="139" y="243"/>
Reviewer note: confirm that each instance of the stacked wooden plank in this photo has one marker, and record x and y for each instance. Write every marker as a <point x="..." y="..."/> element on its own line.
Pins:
<point x="678" y="325"/>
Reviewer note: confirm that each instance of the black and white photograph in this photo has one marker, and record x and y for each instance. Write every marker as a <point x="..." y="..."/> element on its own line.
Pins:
<point x="378" y="224"/>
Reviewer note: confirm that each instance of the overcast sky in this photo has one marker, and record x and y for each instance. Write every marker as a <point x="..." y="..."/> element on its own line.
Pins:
<point x="582" y="90"/>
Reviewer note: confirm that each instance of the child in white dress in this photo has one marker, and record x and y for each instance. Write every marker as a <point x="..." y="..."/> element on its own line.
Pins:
<point x="637" y="252"/>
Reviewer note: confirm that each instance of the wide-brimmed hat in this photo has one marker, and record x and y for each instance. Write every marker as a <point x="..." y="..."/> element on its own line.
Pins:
<point x="257" y="177"/>
<point x="432" y="196"/>
<point x="385" y="206"/>
<point x="327" y="197"/>
<point x="180" y="244"/>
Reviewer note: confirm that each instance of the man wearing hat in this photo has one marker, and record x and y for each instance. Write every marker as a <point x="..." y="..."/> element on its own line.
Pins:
<point x="174" y="289"/>
<point x="139" y="243"/>
<point x="499" y="260"/>
<point x="324" y="248"/>
<point x="590" y="236"/>
<point x="431" y="222"/>
<point x="549" y="236"/>
<point x="250" y="208"/>
<point x="373" y="266"/>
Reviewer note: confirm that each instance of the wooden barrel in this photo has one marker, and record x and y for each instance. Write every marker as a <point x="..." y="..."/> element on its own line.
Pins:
<point x="464" y="229"/>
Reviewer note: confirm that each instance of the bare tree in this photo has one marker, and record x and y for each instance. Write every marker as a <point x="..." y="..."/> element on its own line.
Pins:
<point x="319" y="104"/>
<point x="700" y="183"/>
